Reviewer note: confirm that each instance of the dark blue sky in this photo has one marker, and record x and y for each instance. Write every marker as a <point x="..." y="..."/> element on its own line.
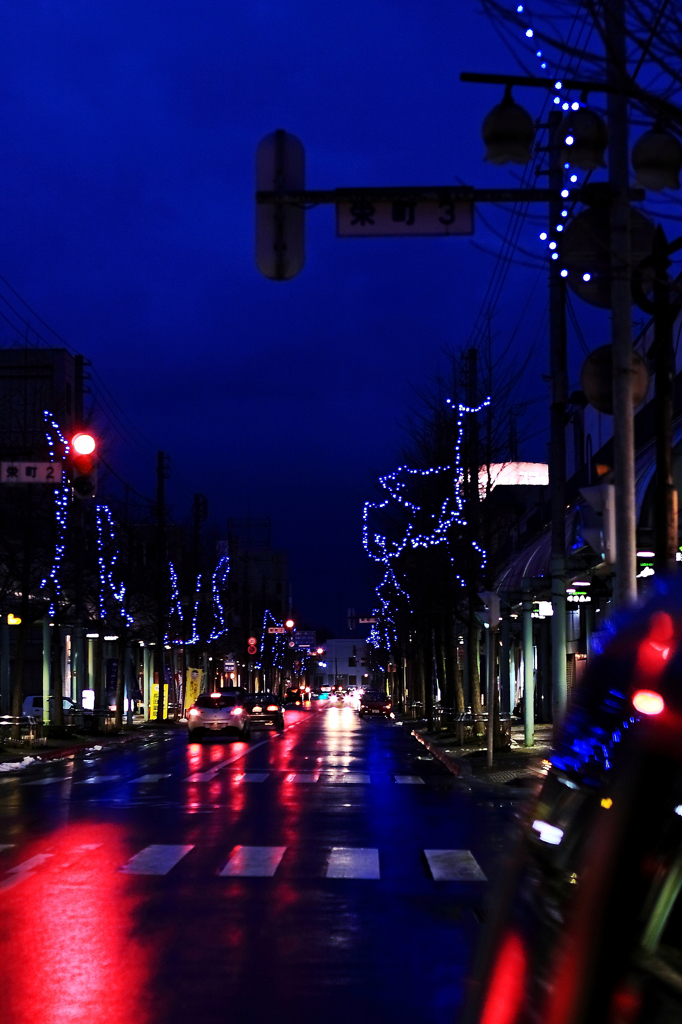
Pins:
<point x="129" y="133"/>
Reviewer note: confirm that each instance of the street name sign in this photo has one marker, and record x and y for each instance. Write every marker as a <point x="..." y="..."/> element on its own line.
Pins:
<point x="31" y="472"/>
<point x="366" y="218"/>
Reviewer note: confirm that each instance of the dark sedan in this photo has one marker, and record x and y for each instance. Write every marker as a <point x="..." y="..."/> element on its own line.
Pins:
<point x="373" y="702"/>
<point x="265" y="709"/>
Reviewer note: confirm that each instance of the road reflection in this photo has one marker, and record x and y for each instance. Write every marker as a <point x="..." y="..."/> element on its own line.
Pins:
<point x="68" y="951"/>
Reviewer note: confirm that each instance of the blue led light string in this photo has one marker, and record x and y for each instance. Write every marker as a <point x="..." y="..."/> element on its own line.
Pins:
<point x="61" y="503"/>
<point x="384" y="633"/>
<point x="175" y="606"/>
<point x="218" y="580"/>
<point x="108" y="588"/>
<point x="194" y="639"/>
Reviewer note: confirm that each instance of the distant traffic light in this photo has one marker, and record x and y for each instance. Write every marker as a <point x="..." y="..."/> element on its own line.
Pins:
<point x="289" y="624"/>
<point x="84" y="464"/>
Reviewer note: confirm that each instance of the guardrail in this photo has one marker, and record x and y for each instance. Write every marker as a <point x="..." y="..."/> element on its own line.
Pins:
<point x="30" y="729"/>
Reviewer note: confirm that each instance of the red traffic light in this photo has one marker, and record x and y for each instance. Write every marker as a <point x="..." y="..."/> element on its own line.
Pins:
<point x="83" y="460"/>
<point x="83" y="443"/>
<point x="290" y="623"/>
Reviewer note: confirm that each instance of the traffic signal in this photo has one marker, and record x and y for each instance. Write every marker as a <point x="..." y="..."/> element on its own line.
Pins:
<point x="84" y="464"/>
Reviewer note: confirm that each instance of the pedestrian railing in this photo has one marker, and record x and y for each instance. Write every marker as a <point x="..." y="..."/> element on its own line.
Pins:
<point x="19" y="730"/>
<point x="468" y="727"/>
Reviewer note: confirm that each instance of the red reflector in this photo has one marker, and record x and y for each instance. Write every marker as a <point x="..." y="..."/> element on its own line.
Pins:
<point x="648" y="702"/>
<point x="506" y="984"/>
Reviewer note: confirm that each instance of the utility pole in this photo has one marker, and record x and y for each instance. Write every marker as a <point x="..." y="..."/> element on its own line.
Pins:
<point x="161" y="580"/>
<point x="557" y="468"/>
<point x="621" y="299"/>
<point x="665" y="508"/>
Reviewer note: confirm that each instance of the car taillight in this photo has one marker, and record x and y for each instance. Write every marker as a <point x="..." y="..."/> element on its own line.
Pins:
<point x="256" y="708"/>
<point x="193" y="713"/>
<point x="648" y="702"/>
<point x="237" y="711"/>
<point x="387" y="705"/>
<point x="270" y="707"/>
<point x="298" y="702"/>
<point x="215" y="694"/>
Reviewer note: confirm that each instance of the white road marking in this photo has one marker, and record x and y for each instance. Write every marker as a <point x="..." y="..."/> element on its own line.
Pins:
<point x="24" y="870"/>
<point x="355" y="777"/>
<point x="302" y="777"/>
<point x="345" y="862"/>
<point x="97" y="778"/>
<point x="6" y="846"/>
<point x="253" y="777"/>
<point x="47" y="782"/>
<point x="210" y="774"/>
<point x="155" y="860"/>
<point x="406" y="780"/>
<point x="253" y="861"/>
<point x="454" y="866"/>
<point x="151" y="778"/>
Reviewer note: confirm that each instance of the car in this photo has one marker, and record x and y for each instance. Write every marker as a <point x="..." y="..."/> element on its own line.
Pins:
<point x="222" y="711"/>
<point x="33" y="707"/>
<point x="265" y="709"/>
<point x="294" y="696"/>
<point x="373" y="702"/>
<point x="586" y="923"/>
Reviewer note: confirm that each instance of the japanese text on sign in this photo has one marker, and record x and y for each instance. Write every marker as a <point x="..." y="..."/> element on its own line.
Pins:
<point x="365" y="217"/>
<point x="31" y="472"/>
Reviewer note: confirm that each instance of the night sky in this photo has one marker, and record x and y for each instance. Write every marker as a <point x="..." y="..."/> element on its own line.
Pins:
<point x="129" y="133"/>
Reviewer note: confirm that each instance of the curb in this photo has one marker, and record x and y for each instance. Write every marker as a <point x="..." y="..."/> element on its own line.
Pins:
<point x="81" y="748"/>
<point x="455" y="767"/>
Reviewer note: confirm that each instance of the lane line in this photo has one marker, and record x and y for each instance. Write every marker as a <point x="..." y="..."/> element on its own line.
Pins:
<point x="253" y="777"/>
<point x="211" y="773"/>
<point x="454" y="866"/>
<point x="347" y="862"/>
<point x="47" y="782"/>
<point x="407" y="780"/>
<point x="151" y="778"/>
<point x="155" y="860"/>
<point x="253" y="862"/>
<point x="24" y="870"/>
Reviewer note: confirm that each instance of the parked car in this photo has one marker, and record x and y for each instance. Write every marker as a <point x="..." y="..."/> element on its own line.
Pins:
<point x="373" y="702"/>
<point x="33" y="706"/>
<point x="222" y="711"/>
<point x="265" y="709"/>
<point x="586" y="925"/>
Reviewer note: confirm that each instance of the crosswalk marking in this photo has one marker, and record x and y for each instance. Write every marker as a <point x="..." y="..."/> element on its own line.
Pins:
<point x="302" y="777"/>
<point x="454" y="866"/>
<point x="96" y="779"/>
<point x="409" y="780"/>
<point x="253" y="861"/>
<point x="155" y="860"/>
<point x="347" y="862"/>
<point x="151" y="778"/>
<point x="355" y="777"/>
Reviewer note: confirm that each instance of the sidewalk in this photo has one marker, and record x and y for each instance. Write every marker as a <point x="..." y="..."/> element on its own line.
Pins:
<point x="15" y="758"/>
<point x="520" y="766"/>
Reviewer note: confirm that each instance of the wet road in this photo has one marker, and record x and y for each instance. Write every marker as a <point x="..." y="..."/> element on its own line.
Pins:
<point x="332" y="873"/>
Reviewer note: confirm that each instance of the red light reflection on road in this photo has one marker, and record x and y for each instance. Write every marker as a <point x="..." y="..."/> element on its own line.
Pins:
<point x="67" y="949"/>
